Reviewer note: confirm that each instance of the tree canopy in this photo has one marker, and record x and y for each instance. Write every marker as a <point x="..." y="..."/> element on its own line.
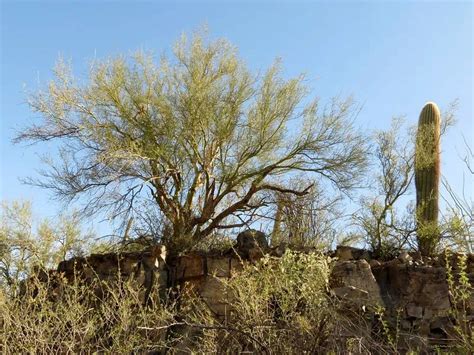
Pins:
<point x="196" y="135"/>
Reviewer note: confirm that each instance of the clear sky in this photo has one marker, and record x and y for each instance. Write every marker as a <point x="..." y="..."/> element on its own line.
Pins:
<point x="392" y="56"/>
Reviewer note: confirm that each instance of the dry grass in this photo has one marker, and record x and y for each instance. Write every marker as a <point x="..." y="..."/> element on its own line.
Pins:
<point x="278" y="306"/>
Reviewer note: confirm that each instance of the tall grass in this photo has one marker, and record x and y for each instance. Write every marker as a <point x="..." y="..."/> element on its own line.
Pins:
<point x="276" y="306"/>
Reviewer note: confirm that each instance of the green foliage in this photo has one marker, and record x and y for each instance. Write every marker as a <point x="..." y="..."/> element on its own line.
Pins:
<point x="81" y="322"/>
<point x="196" y="136"/>
<point x="385" y="229"/>
<point x="427" y="178"/>
<point x="25" y="247"/>
<point x="308" y="221"/>
<point x="390" y="335"/>
<point x="460" y="206"/>
<point x="295" y="278"/>
<point x="277" y="306"/>
<point x="459" y="230"/>
<point x="461" y="291"/>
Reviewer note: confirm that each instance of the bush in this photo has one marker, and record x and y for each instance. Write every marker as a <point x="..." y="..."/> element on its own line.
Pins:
<point x="75" y="318"/>
<point x="461" y="291"/>
<point x="277" y="306"/>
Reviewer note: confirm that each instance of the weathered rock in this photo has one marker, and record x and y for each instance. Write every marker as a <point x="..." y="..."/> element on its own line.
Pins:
<point x="145" y="269"/>
<point x="279" y="250"/>
<point x="374" y="263"/>
<point x="219" y="266"/>
<point x="356" y="274"/>
<point x="413" y="290"/>
<point x="346" y="253"/>
<point x="236" y="265"/>
<point x="402" y="284"/>
<point x="405" y="257"/>
<point x="214" y="295"/>
<point x="352" y="296"/>
<point x="414" y="311"/>
<point x="190" y="266"/>
<point x="252" y="244"/>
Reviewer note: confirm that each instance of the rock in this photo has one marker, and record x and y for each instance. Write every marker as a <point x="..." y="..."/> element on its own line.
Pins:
<point x="104" y="264"/>
<point x="414" y="311"/>
<point x="236" y="265"/>
<point x="252" y="244"/>
<point x="413" y="291"/>
<point x="218" y="266"/>
<point x="252" y="238"/>
<point x="416" y="255"/>
<point x="351" y="294"/>
<point x="357" y="274"/>
<point x="189" y="267"/>
<point x="428" y="313"/>
<point x="406" y="324"/>
<point x="213" y="293"/>
<point x="279" y="250"/>
<point x="159" y="251"/>
<point x="128" y="265"/>
<point x="422" y="289"/>
<point x="442" y="327"/>
<point x="70" y="266"/>
<point x="346" y="253"/>
<point x="374" y="263"/>
<point x="404" y="257"/>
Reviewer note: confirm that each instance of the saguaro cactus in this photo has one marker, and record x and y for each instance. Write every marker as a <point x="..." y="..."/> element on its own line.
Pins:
<point x="427" y="176"/>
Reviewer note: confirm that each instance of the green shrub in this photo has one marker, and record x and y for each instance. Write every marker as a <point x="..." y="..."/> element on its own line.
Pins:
<point x="78" y="319"/>
<point x="277" y="306"/>
<point x="461" y="292"/>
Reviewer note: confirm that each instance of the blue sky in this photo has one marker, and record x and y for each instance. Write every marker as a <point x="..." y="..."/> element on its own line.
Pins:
<point x="392" y="56"/>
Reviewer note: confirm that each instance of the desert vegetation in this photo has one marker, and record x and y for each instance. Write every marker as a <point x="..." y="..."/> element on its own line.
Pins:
<point x="190" y="150"/>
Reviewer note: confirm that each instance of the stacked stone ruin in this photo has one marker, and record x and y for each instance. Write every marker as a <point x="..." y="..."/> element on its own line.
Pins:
<point x="412" y="290"/>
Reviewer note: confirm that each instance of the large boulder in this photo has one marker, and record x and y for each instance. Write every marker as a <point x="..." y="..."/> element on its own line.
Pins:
<point x="252" y="244"/>
<point x="354" y="282"/>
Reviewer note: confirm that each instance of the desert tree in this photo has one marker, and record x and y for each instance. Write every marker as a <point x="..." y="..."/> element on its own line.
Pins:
<point x="196" y="134"/>
<point x="311" y="220"/>
<point x="459" y="225"/>
<point x="29" y="245"/>
<point x="384" y="228"/>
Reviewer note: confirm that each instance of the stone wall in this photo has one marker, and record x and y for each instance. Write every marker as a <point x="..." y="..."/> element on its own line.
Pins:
<point x="146" y="269"/>
<point x="412" y="291"/>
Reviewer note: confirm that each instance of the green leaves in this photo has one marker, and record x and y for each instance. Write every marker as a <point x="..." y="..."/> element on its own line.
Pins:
<point x="25" y="244"/>
<point x="201" y="132"/>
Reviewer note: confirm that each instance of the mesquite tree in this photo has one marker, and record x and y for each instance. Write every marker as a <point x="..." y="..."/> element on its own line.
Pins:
<point x="197" y="135"/>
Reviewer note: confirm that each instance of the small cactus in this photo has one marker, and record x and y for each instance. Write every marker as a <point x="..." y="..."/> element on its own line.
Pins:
<point x="427" y="176"/>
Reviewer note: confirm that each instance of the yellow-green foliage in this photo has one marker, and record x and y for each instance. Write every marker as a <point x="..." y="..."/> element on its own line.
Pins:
<point x="26" y="244"/>
<point x="461" y="291"/>
<point x="199" y="132"/>
<point x="277" y="306"/>
<point x="79" y="321"/>
<point x="427" y="177"/>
